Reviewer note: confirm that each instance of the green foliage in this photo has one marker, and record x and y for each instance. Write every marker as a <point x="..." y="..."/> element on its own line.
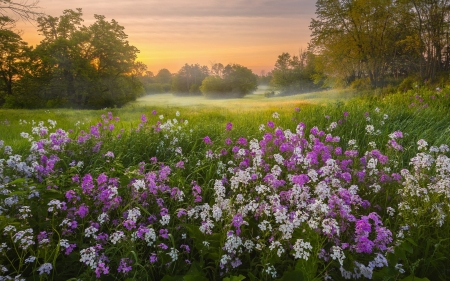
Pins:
<point x="77" y="66"/>
<point x="13" y="58"/>
<point x="235" y="81"/>
<point x="295" y="74"/>
<point x="361" y="84"/>
<point x="188" y="80"/>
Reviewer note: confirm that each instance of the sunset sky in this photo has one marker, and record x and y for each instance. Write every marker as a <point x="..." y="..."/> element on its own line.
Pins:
<point x="170" y="33"/>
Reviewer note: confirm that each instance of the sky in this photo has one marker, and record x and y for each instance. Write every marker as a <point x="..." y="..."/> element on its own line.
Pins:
<point x="170" y="33"/>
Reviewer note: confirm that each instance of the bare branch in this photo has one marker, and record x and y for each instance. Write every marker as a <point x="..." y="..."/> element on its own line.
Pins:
<point x="26" y="10"/>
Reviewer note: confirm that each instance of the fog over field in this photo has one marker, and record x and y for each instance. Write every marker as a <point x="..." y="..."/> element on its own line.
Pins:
<point x="256" y="100"/>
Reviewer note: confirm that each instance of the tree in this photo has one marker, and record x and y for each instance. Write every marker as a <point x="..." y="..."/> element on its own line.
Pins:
<point x="236" y="82"/>
<point x="13" y="56"/>
<point x="81" y="66"/>
<point x="164" y="76"/>
<point x="294" y="74"/>
<point x="188" y="79"/>
<point x="430" y="21"/>
<point x="359" y="38"/>
<point x="24" y="9"/>
<point x="217" y="69"/>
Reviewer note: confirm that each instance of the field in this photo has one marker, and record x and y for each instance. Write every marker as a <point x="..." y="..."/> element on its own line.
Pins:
<point x="307" y="187"/>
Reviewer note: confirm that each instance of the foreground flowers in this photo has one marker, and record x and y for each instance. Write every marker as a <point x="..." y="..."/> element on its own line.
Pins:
<point x="301" y="203"/>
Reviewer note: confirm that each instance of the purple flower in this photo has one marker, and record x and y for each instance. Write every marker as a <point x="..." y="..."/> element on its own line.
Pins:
<point x="181" y="213"/>
<point x="180" y="165"/>
<point x="270" y="124"/>
<point x="101" y="268"/>
<point x="129" y="224"/>
<point x="229" y="126"/>
<point x="207" y="140"/>
<point x="70" y="249"/>
<point x="186" y="248"/>
<point x="83" y="211"/>
<point x="242" y="141"/>
<point x="125" y="265"/>
<point x="164" y="233"/>
<point x="109" y="154"/>
<point x="153" y="258"/>
<point x="143" y="118"/>
<point x="163" y="246"/>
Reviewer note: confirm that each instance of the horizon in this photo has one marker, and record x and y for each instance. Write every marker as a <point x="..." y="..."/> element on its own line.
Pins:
<point x="169" y="35"/>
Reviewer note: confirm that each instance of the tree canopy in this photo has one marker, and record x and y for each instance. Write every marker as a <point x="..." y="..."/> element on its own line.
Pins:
<point x="234" y="81"/>
<point x="380" y="40"/>
<point x="188" y="79"/>
<point x="78" y="66"/>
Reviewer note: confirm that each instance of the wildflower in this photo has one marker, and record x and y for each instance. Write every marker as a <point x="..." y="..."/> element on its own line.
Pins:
<point x="270" y="124"/>
<point x="45" y="268"/>
<point x="229" y="126"/>
<point x="153" y="258"/>
<point x="302" y="249"/>
<point x="109" y="154"/>
<point x="125" y="265"/>
<point x="101" y="268"/>
<point x="207" y="140"/>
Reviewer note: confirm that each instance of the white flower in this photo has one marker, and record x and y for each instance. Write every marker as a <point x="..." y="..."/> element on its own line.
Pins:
<point x="116" y="236"/>
<point x="302" y="249"/>
<point x="30" y="259"/>
<point x="45" y="268"/>
<point x="165" y="219"/>
<point x="271" y="270"/>
<point x="370" y="129"/>
<point x="399" y="267"/>
<point x="338" y="254"/>
<point x="173" y="254"/>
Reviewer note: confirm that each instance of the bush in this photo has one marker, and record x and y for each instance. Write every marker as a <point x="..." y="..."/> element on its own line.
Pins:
<point x="237" y="81"/>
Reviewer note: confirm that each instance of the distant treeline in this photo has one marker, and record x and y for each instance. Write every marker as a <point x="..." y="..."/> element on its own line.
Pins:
<point x="361" y="44"/>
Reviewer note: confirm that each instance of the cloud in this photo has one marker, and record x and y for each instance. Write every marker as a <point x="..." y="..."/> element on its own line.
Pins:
<point x="187" y="8"/>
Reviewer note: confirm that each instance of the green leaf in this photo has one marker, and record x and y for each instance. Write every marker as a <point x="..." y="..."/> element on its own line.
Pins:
<point x="414" y="278"/>
<point x="195" y="278"/>
<point x="411" y="241"/>
<point x="294" y="275"/>
<point x="172" y="278"/>
<point x="234" y="278"/>
<point x="407" y="247"/>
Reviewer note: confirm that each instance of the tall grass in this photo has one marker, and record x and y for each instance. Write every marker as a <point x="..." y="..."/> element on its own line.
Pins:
<point x="202" y="152"/>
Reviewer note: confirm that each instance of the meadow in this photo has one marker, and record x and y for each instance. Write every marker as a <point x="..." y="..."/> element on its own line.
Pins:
<point x="321" y="186"/>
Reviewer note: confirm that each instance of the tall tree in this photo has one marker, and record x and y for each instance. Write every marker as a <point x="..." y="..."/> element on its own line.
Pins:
<point x="188" y="79"/>
<point x="358" y="38"/>
<point x="13" y="56"/>
<point x="431" y="22"/>
<point x="90" y="66"/>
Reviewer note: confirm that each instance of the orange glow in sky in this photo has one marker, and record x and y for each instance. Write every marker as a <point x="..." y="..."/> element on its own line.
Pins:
<point x="170" y="33"/>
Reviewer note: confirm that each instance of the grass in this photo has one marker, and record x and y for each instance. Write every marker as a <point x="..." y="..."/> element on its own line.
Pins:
<point x="419" y="114"/>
